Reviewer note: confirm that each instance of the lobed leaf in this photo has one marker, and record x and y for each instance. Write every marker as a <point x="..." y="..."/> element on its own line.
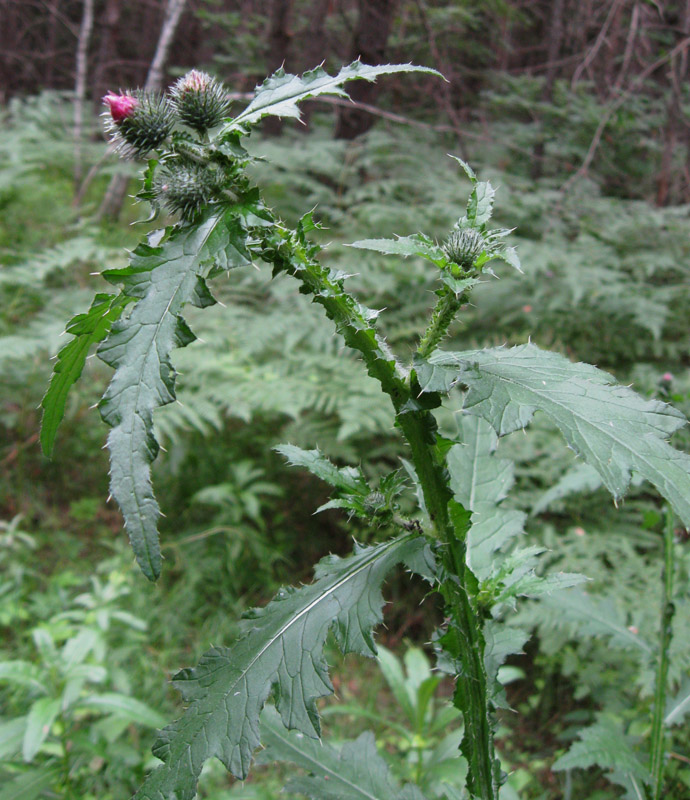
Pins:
<point x="348" y="479"/>
<point x="88" y="329"/>
<point x="163" y="276"/>
<point x="355" y="772"/>
<point x="611" y="427"/>
<point x="415" y="245"/>
<point x="280" y="94"/>
<point x="281" y="648"/>
<point x="480" y="481"/>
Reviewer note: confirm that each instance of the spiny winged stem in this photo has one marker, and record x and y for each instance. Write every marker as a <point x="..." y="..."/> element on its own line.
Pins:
<point x="291" y="253"/>
<point x="665" y="635"/>
<point x="442" y="316"/>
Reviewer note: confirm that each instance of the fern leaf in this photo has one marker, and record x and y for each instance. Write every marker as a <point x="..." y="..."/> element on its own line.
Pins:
<point x="88" y="329"/>
<point x="279" y="95"/>
<point x="163" y="277"/>
<point x="281" y="647"/>
<point x="356" y="772"/>
<point x="596" y="616"/>
<point x="480" y="481"/>
<point x="603" y="744"/>
<point x="611" y="427"/>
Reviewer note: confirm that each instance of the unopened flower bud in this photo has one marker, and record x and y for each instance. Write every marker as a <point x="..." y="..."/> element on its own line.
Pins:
<point x="121" y="105"/>
<point x="464" y="246"/>
<point x="200" y="100"/>
<point x="138" y="122"/>
<point x="186" y="188"/>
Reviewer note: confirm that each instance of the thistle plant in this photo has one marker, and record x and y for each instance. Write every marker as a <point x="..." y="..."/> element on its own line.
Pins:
<point x="459" y="538"/>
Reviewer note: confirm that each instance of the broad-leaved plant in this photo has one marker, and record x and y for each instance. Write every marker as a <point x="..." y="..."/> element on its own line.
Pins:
<point x="459" y="538"/>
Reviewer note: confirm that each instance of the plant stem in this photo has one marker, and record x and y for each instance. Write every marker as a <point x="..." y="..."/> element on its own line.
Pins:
<point x="291" y="253"/>
<point x="443" y="314"/>
<point x="665" y="636"/>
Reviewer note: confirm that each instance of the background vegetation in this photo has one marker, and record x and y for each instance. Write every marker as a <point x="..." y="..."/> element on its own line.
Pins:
<point x="579" y="112"/>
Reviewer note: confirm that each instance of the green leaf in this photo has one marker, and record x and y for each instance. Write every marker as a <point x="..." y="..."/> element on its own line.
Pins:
<point x="596" y="617"/>
<point x="579" y="478"/>
<point x="677" y="707"/>
<point x="164" y="277"/>
<point x="415" y="245"/>
<point x="467" y="169"/>
<point x="480" y="481"/>
<point x="11" y="736"/>
<point x="392" y="671"/>
<point x="611" y="427"/>
<point x="501" y="641"/>
<point x="39" y="721"/>
<point x="348" y="479"/>
<point x="355" y="772"/>
<point x="125" y="707"/>
<point x="23" y="673"/>
<point x="88" y="329"/>
<point x="603" y="744"/>
<point x="480" y="206"/>
<point x="281" y="647"/>
<point x="30" y="784"/>
<point x="279" y="95"/>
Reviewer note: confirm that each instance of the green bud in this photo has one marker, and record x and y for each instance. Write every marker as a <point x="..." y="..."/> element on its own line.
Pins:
<point x="464" y="246"/>
<point x="200" y="100"/>
<point x="186" y="188"/>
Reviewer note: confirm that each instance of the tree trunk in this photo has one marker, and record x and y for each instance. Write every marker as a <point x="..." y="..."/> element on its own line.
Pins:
<point x="117" y="188"/>
<point x="369" y="44"/>
<point x="80" y="88"/>
<point x="108" y="23"/>
<point x="278" y="41"/>
<point x="314" y="49"/>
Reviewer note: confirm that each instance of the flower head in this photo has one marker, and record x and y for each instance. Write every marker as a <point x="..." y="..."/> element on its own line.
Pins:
<point x="121" y="105"/>
<point x="200" y="100"/>
<point x="138" y="122"/>
<point x="464" y="246"/>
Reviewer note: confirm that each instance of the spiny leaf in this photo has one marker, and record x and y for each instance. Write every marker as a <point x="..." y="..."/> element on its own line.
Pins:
<point x="163" y="277"/>
<point x="480" y="481"/>
<point x="480" y="206"/>
<point x="279" y="95"/>
<point x="348" y="479"/>
<point x="356" y="772"/>
<point x="415" y="245"/>
<point x="281" y="647"/>
<point x="611" y="427"/>
<point x="88" y="329"/>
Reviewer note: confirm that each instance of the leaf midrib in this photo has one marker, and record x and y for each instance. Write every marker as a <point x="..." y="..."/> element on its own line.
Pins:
<point x="602" y="429"/>
<point x="286" y="626"/>
<point x="304" y="757"/>
<point x="140" y="381"/>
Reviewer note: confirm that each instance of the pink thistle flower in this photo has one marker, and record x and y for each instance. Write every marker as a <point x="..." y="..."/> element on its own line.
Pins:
<point x="194" y="81"/>
<point x="121" y="106"/>
<point x="667" y="376"/>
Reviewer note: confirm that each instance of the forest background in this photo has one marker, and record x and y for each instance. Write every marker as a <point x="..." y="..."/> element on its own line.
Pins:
<point x="580" y="111"/>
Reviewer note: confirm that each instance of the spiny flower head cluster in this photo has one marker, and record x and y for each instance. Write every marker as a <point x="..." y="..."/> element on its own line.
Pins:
<point x="140" y="121"/>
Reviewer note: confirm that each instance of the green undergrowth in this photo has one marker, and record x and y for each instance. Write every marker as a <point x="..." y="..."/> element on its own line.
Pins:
<point x="606" y="280"/>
